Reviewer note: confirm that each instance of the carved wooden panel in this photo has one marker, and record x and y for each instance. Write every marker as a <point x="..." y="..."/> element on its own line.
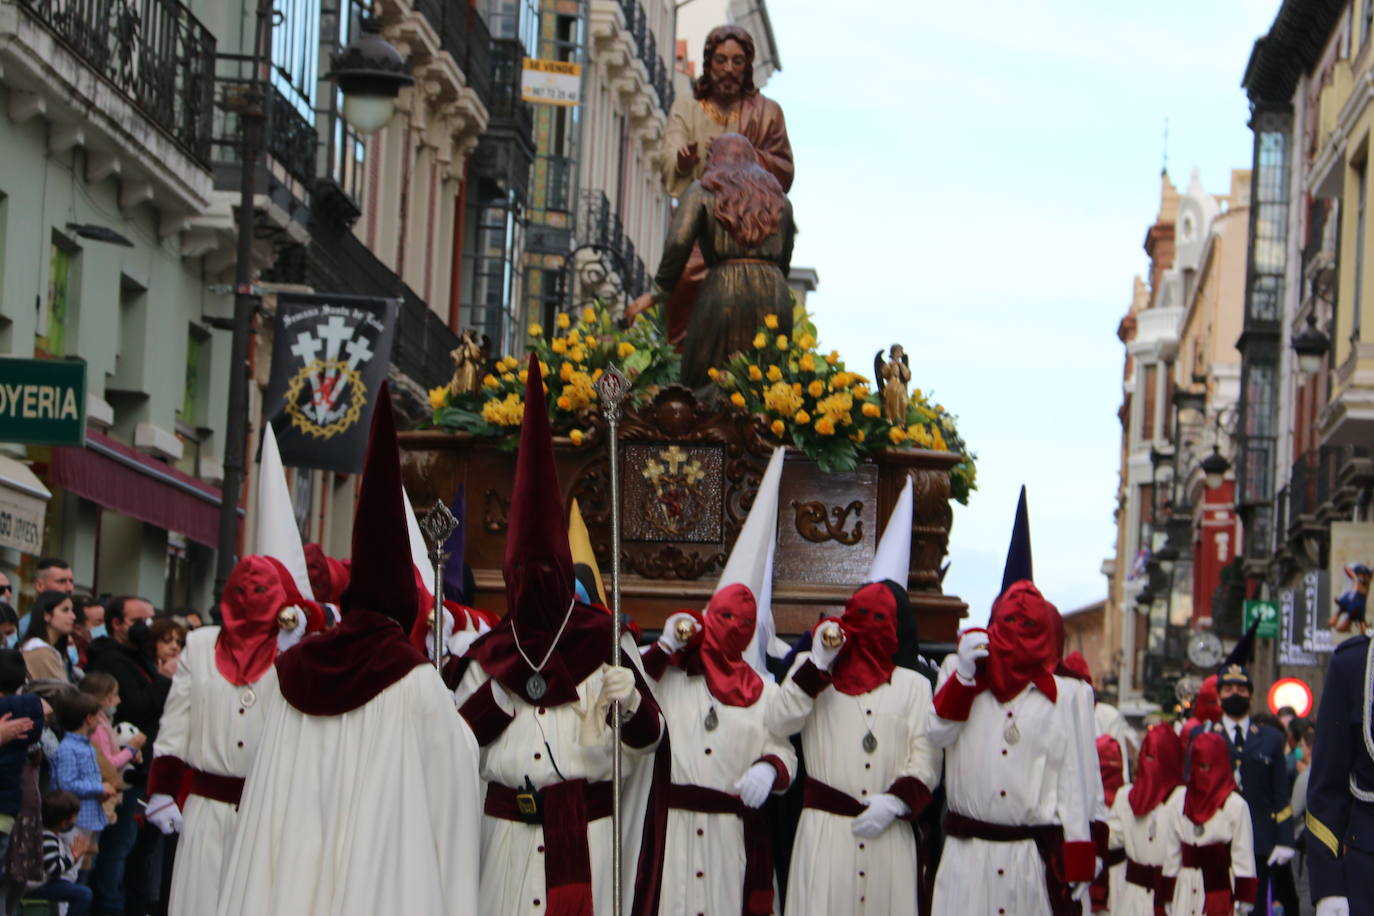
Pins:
<point x="827" y="524"/>
<point x="673" y="493"/>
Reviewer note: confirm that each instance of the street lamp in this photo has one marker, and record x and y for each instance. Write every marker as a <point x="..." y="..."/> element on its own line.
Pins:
<point x="1311" y="345"/>
<point x="1214" y="468"/>
<point x="370" y="72"/>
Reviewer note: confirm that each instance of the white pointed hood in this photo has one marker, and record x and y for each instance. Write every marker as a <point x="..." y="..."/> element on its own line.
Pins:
<point x="892" y="559"/>
<point x="751" y="559"/>
<point x="277" y="534"/>
<point x="419" y="552"/>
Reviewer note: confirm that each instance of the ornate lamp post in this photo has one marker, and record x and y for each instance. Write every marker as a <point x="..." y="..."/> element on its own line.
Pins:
<point x="370" y="72"/>
<point x="1311" y="345"/>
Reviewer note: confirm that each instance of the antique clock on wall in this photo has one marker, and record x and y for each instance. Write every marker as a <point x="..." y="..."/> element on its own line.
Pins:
<point x="1204" y="650"/>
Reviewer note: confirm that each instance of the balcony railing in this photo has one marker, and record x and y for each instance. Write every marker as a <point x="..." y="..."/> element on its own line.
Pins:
<point x="464" y="34"/>
<point x="288" y="136"/>
<point x="646" y="45"/>
<point x="507" y="62"/>
<point x="154" y="52"/>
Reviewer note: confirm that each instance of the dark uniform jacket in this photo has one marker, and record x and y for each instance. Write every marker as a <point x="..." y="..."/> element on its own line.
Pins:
<point x="1262" y="775"/>
<point x="1340" y="824"/>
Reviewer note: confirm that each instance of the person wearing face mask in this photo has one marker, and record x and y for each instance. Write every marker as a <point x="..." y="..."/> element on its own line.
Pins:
<point x="870" y="765"/>
<point x="9" y="627"/>
<point x="1261" y="773"/>
<point x="537" y="691"/>
<point x="1209" y="853"/>
<point x="1017" y="834"/>
<point x="120" y="879"/>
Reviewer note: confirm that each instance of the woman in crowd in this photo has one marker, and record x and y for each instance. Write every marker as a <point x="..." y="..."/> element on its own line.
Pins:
<point x="166" y="639"/>
<point x="45" y="644"/>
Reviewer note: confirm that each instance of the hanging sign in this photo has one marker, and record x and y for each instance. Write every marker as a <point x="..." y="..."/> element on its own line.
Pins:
<point x="551" y="82"/>
<point x="1267" y="613"/>
<point x="43" y="401"/>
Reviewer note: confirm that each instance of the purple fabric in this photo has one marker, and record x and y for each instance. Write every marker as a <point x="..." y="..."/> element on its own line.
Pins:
<point x="455" y="545"/>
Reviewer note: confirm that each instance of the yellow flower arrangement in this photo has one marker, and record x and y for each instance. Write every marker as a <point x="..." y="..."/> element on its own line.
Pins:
<point x="576" y="436"/>
<point x="509" y="411"/>
<point x="577" y="355"/>
<point x="737" y="399"/>
<point x="760" y="341"/>
<point x="825" y="426"/>
<point x="559" y="346"/>
<point x="816" y="388"/>
<point x="802" y="417"/>
<point x="563" y="321"/>
<point x="896" y="435"/>
<point x="832" y="357"/>
<point x="713" y="374"/>
<point x="781" y="342"/>
<point x="807" y="363"/>
<point x="755" y="374"/>
<point x="806" y="342"/>
<point x="774" y="374"/>
<point x="491" y="381"/>
<point x="782" y="400"/>
<point x="778" y="428"/>
<point x="563" y="402"/>
<point x="770" y="322"/>
<point x="438" y="397"/>
<point x="536" y="330"/>
<point x="624" y="349"/>
<point x="871" y="410"/>
<point x="589" y="315"/>
<point x="565" y="372"/>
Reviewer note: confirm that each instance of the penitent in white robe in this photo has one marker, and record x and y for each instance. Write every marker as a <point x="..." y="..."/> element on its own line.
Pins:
<point x="579" y="743"/>
<point x="703" y="861"/>
<point x="372" y="811"/>
<point x="1229" y="824"/>
<point x="207" y="725"/>
<point x="832" y="870"/>
<point x="1143" y="838"/>
<point x="1035" y="781"/>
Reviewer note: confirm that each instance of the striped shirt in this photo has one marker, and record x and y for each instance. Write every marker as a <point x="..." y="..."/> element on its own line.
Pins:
<point x="57" y="857"/>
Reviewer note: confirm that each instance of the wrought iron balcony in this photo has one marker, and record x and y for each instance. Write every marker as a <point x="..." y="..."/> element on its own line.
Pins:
<point x="154" y="52"/>
<point x="506" y="151"/>
<point x="288" y="137"/>
<point x="464" y="34"/>
<point x="646" y="45"/>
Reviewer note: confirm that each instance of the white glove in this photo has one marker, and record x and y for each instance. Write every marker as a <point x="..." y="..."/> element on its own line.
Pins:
<point x="618" y="686"/>
<point x="1333" y="906"/>
<point x="1097" y="867"/>
<point x="973" y="645"/>
<point x="285" y="640"/>
<point x="162" y="812"/>
<point x="669" y="639"/>
<point x="1168" y="909"/>
<point x="1244" y="909"/>
<point x="753" y="787"/>
<point x="824" y="656"/>
<point x="882" y="810"/>
<point x="429" y="635"/>
<point x="1282" y="855"/>
<point x="1080" y="890"/>
<point x="460" y="643"/>
<point x="502" y="698"/>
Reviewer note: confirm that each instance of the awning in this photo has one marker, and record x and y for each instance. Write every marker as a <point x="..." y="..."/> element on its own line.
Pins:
<point x="23" y="503"/>
<point x="127" y="481"/>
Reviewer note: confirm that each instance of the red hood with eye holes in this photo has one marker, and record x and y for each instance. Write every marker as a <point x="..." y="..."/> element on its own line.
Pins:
<point x="870" y="629"/>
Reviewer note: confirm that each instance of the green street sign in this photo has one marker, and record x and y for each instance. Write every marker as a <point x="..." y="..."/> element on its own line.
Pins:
<point x="43" y="401"/>
<point x="1267" y="613"/>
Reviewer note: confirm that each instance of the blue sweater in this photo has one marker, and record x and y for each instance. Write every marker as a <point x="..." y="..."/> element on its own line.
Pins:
<point x="12" y="754"/>
<point x="75" y="770"/>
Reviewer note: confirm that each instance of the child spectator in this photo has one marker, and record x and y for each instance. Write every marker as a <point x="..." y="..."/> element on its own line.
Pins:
<point x="75" y="768"/>
<point x="112" y="757"/>
<point x="60" y="855"/>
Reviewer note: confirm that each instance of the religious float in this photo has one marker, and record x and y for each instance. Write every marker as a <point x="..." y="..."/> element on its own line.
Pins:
<point x="691" y="461"/>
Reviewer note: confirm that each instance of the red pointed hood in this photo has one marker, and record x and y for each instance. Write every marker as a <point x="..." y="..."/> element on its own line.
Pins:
<point x="1110" y="764"/>
<point x="1159" y="771"/>
<point x="870" y="647"/>
<point x="1023" y="642"/>
<point x="339" y="671"/>
<point x="382" y="579"/>
<point x="538" y="570"/>
<point x="538" y="567"/>
<point x="1210" y="778"/>
<point x="729" y="623"/>
<point x="258" y="588"/>
<point x="328" y="576"/>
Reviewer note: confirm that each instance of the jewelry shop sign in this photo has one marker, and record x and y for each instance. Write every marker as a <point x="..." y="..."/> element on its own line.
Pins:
<point x="551" y="82"/>
<point x="43" y="401"/>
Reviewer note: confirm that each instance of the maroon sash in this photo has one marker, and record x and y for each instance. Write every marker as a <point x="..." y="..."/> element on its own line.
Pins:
<point x="1141" y="875"/>
<point x="758" y="843"/>
<point x="1214" y="861"/>
<point x="227" y="789"/>
<point x="826" y="798"/>
<point x="566" y="810"/>
<point x="1049" y="842"/>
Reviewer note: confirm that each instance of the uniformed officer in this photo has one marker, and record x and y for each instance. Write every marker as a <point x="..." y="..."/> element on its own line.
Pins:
<point x="1340" y="790"/>
<point x="1257" y="754"/>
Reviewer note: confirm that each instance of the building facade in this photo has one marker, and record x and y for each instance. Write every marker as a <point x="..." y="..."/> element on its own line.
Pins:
<point x="1176" y="530"/>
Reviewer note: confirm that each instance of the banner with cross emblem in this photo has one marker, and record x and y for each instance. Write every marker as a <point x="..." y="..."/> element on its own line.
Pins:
<point x="329" y="357"/>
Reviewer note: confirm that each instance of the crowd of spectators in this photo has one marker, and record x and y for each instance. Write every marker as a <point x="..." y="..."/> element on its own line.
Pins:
<point x="83" y="681"/>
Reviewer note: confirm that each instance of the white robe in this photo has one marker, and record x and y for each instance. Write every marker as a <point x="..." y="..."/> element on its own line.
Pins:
<point x="372" y="811"/>
<point x="1144" y="839"/>
<point x="206" y="726"/>
<point x="512" y="879"/>
<point x="704" y="856"/>
<point x="1230" y="824"/>
<point x="832" y="870"/>
<point x="1036" y="781"/>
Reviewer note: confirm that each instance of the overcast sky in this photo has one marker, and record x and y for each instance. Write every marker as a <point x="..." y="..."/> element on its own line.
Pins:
<point x="974" y="181"/>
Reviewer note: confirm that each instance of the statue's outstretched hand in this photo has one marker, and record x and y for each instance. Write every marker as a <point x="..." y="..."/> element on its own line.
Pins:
<point x="638" y="307"/>
<point x="687" y="158"/>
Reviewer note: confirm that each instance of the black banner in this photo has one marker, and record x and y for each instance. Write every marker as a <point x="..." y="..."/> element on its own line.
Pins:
<point x="329" y="356"/>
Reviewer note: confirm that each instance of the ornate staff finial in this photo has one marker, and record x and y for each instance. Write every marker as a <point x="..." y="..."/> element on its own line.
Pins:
<point x="437" y="524"/>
